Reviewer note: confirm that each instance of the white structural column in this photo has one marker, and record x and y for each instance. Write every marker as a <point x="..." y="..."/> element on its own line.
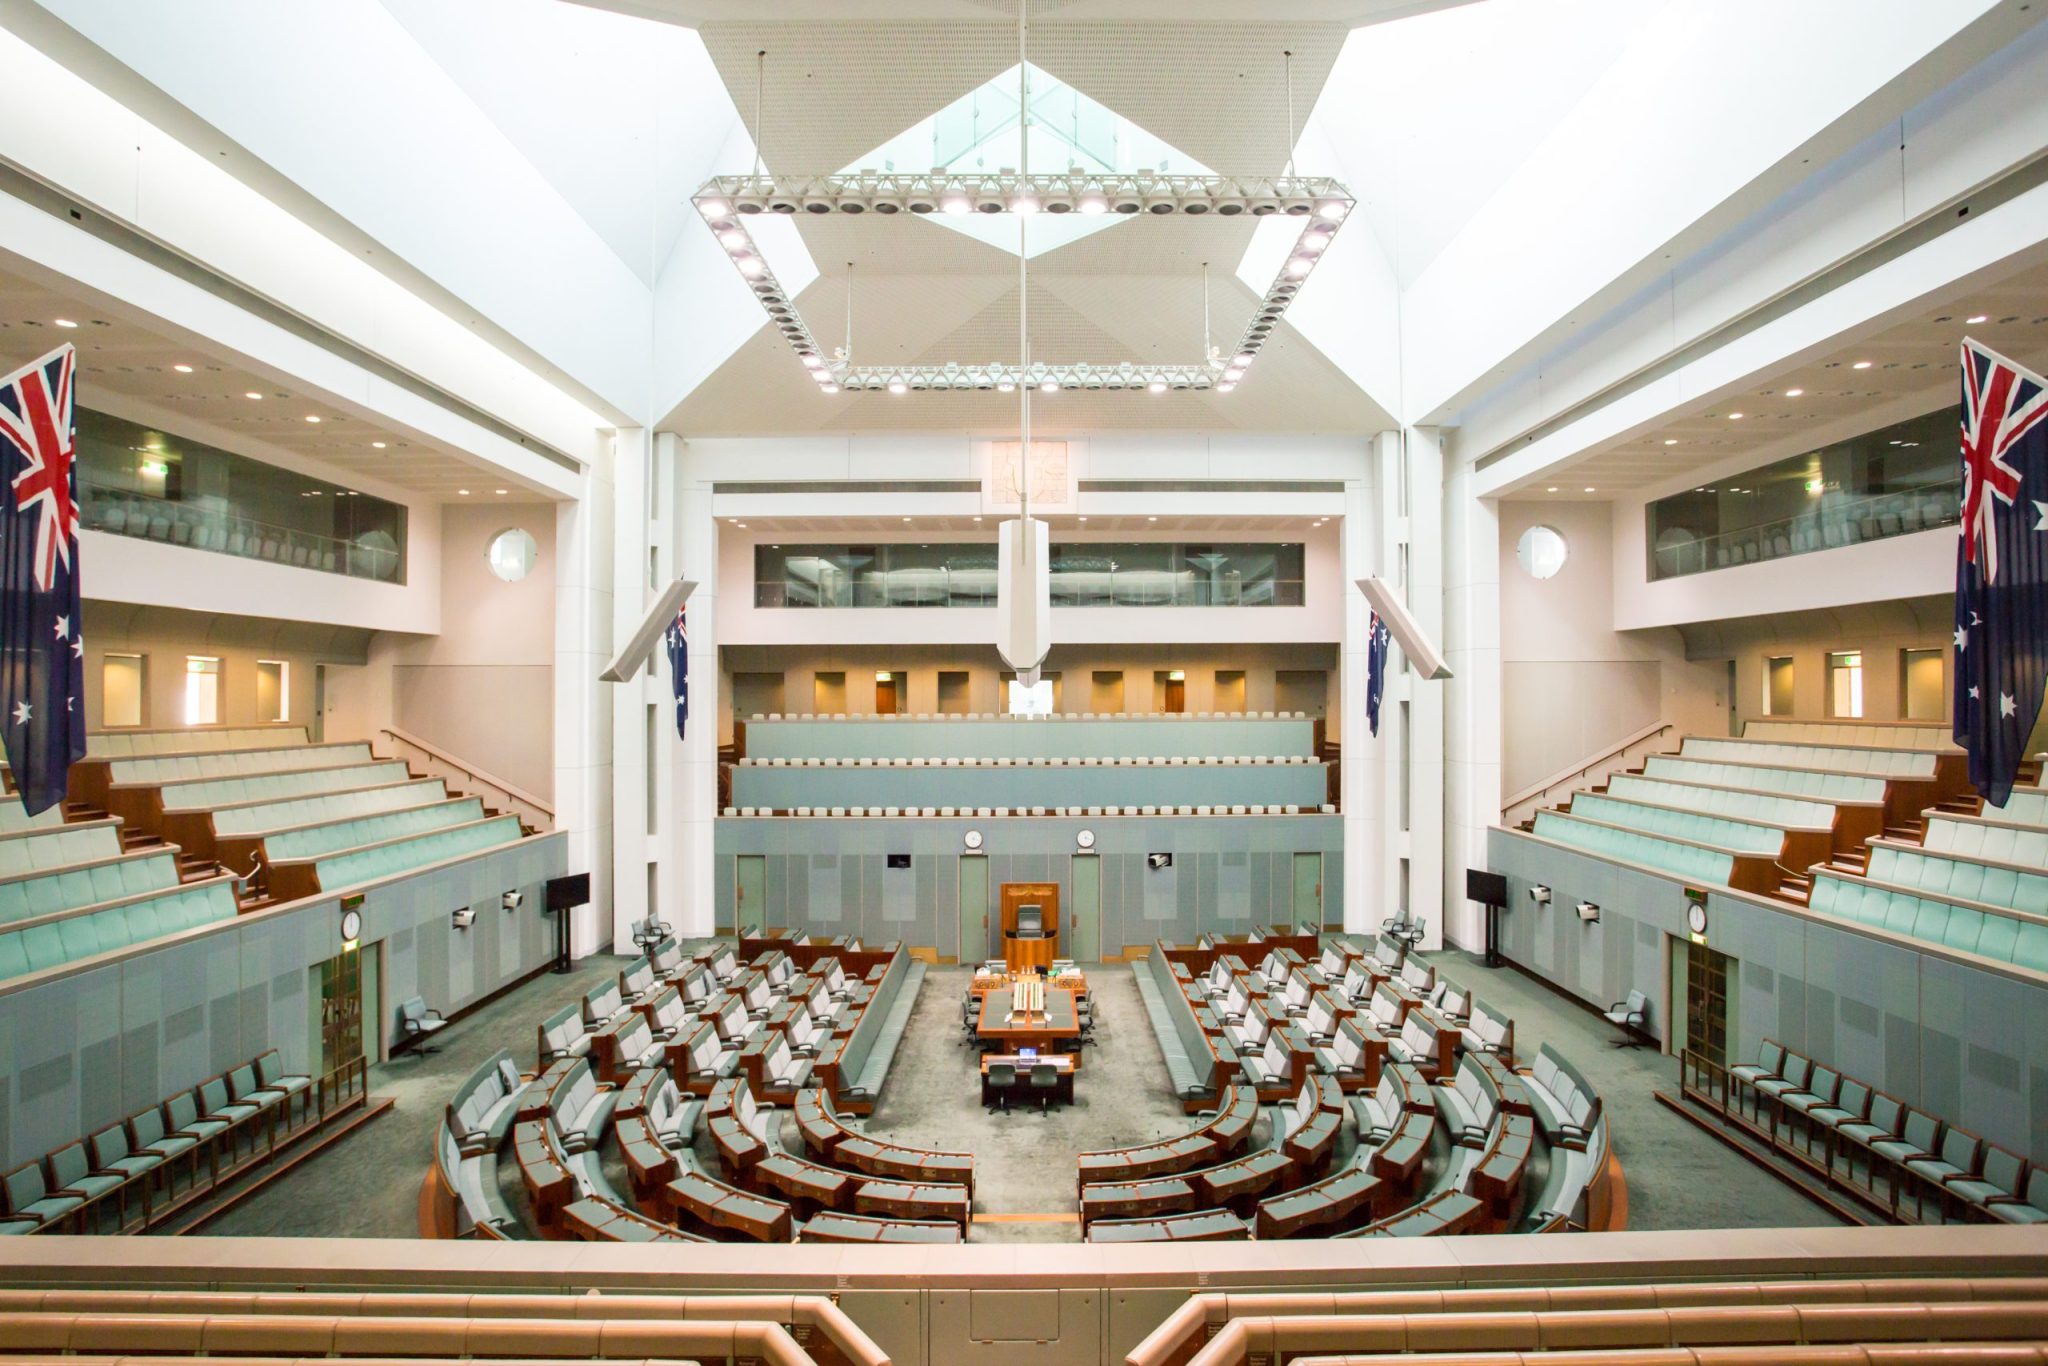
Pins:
<point x="1423" y="481"/>
<point x="1472" y="725"/>
<point x="583" y="718"/>
<point x="695" y="771"/>
<point x="1362" y="771"/>
<point x="633" y="526"/>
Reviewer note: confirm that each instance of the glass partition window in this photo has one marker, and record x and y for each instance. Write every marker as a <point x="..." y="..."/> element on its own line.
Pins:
<point x="1084" y="574"/>
<point x="135" y="481"/>
<point x="120" y="691"/>
<point x="202" y="691"/>
<point x="1890" y="482"/>
<point x="1845" y="684"/>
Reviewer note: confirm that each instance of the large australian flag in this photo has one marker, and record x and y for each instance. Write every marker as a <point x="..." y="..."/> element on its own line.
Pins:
<point x="2001" y="640"/>
<point x="42" y="653"/>
<point x="677" y="638"/>
<point x="1375" y="671"/>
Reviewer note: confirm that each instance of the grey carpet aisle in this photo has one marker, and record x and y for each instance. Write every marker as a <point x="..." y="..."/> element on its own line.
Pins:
<point x="368" y="1184"/>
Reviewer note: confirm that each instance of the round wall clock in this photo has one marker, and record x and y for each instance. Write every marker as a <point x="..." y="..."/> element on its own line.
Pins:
<point x="1696" y="918"/>
<point x="973" y="838"/>
<point x="1086" y="839"/>
<point x="351" y="925"/>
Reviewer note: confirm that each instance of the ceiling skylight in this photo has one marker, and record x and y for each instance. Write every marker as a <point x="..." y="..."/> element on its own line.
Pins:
<point x="978" y="134"/>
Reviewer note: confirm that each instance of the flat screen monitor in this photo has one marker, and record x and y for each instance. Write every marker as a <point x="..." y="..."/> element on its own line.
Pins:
<point x="1030" y="922"/>
<point x="567" y="892"/>
<point x="1488" y="889"/>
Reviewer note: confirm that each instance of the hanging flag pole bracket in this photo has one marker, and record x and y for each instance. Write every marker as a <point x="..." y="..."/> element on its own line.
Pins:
<point x="640" y="646"/>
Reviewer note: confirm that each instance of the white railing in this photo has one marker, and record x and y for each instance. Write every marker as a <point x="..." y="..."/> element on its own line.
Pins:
<point x="1597" y="768"/>
<point x="537" y="812"/>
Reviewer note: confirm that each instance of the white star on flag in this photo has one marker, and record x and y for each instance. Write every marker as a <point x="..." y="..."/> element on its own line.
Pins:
<point x="78" y="648"/>
<point x="63" y="628"/>
<point x="2041" y="511"/>
<point x="1973" y="694"/>
<point x="21" y="710"/>
<point x="1962" y="638"/>
<point x="2006" y="706"/>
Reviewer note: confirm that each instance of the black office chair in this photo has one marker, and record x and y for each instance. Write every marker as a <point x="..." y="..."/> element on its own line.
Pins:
<point x="1084" y="1011"/>
<point x="1002" y="1079"/>
<point x="968" y="1020"/>
<point x="649" y="932"/>
<point x="1044" y="1078"/>
<point x="1407" y="931"/>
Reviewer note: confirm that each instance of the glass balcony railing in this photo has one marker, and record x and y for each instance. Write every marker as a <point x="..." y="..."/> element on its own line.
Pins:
<point x="1893" y="481"/>
<point x="1084" y="574"/>
<point x="200" y="527"/>
<point x="155" y="486"/>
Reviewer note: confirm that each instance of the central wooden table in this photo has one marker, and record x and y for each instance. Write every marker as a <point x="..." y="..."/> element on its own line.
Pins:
<point x="1042" y="1030"/>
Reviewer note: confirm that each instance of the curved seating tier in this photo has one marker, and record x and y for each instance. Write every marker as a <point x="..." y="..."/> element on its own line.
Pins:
<point x="212" y="793"/>
<point x="129" y="744"/>
<point x="1759" y="808"/>
<point x="1790" y="782"/>
<point x="1828" y="758"/>
<point x="157" y="770"/>
<point x="14" y="817"/>
<point x="315" y="841"/>
<point x="1991" y="931"/>
<point x="52" y="941"/>
<point x="395" y="856"/>
<point x="108" y="878"/>
<point x="56" y="845"/>
<point x="260" y="818"/>
<point x="1669" y="855"/>
<point x="1935" y="737"/>
<point x="1691" y="825"/>
<point x="2021" y="888"/>
<point x="1985" y="837"/>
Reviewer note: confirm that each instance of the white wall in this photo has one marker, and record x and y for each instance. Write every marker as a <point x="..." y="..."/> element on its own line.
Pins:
<point x="1571" y="682"/>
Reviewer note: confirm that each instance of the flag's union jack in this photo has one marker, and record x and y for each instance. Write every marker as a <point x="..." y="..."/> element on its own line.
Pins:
<point x="42" y="653"/>
<point x="2001" y="636"/>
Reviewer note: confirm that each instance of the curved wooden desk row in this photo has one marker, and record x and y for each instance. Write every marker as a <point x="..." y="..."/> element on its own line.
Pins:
<point x="1221" y="1137"/>
<point x="809" y="1187"/>
<point x="1236" y="1184"/>
<point x="828" y="1140"/>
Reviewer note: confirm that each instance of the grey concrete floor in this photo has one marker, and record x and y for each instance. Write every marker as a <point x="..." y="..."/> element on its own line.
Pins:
<point x="367" y="1185"/>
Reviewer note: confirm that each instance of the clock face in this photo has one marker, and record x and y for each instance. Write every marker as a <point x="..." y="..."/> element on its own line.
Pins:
<point x="1086" y="839"/>
<point x="1696" y="918"/>
<point x="351" y="925"/>
<point x="974" y="839"/>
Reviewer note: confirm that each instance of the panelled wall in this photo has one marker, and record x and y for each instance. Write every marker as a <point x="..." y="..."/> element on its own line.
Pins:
<point x="83" y="1048"/>
<point x="1959" y="1038"/>
<point x="165" y="636"/>
<point x="1228" y="875"/>
<point x="1882" y="632"/>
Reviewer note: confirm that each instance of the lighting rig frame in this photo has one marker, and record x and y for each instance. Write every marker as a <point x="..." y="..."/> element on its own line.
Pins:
<point x="726" y="202"/>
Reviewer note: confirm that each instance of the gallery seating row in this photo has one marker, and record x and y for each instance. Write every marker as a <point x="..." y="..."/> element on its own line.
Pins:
<point x="131" y="744"/>
<point x="123" y="1178"/>
<point x="1991" y="835"/>
<point x="292" y="878"/>
<point x="56" y="845"/>
<point x="355" y="832"/>
<point x="1935" y="737"/>
<point x="1843" y="757"/>
<point x="990" y="812"/>
<point x="1023" y="786"/>
<point x="160" y="769"/>
<point x="1680" y="858"/>
<point x="1903" y="1161"/>
<point x="258" y="820"/>
<point x="1816" y="784"/>
<point x="1014" y="736"/>
<point x="1963" y="877"/>
<point x="50" y="891"/>
<point x="1801" y="814"/>
<point x="1040" y="761"/>
<point x="1990" y="931"/>
<point x="1047" y="716"/>
<point x="1652" y="818"/>
<point x="51" y="941"/>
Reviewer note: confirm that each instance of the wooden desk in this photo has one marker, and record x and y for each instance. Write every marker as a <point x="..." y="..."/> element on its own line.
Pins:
<point x="1042" y="1031"/>
<point x="985" y="982"/>
<point x="1063" y="1085"/>
<point x="1021" y="954"/>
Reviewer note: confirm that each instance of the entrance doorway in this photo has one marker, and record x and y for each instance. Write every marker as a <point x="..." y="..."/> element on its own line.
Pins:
<point x="973" y="908"/>
<point x="338" y="997"/>
<point x="1708" y="978"/>
<point x="1308" y="889"/>
<point x="750" y="908"/>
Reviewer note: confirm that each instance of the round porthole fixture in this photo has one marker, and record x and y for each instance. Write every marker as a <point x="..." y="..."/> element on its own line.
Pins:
<point x="513" y="552"/>
<point x="1542" y="552"/>
<point x="1086" y="839"/>
<point x="351" y="925"/>
<point x="973" y="839"/>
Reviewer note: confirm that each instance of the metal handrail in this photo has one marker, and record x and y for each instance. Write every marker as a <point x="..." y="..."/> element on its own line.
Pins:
<point x="499" y="785"/>
<point x="1579" y="771"/>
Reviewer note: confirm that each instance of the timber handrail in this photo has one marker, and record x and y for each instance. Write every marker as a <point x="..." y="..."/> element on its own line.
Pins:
<point x="1578" y="771"/>
<point x="496" y="784"/>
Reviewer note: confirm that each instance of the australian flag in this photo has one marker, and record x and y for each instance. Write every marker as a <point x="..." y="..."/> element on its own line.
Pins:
<point x="677" y="638"/>
<point x="2001" y="640"/>
<point x="42" y="652"/>
<point x="1375" y="671"/>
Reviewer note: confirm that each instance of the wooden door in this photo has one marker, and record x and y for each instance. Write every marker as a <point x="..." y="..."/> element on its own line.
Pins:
<point x="1176" y="695"/>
